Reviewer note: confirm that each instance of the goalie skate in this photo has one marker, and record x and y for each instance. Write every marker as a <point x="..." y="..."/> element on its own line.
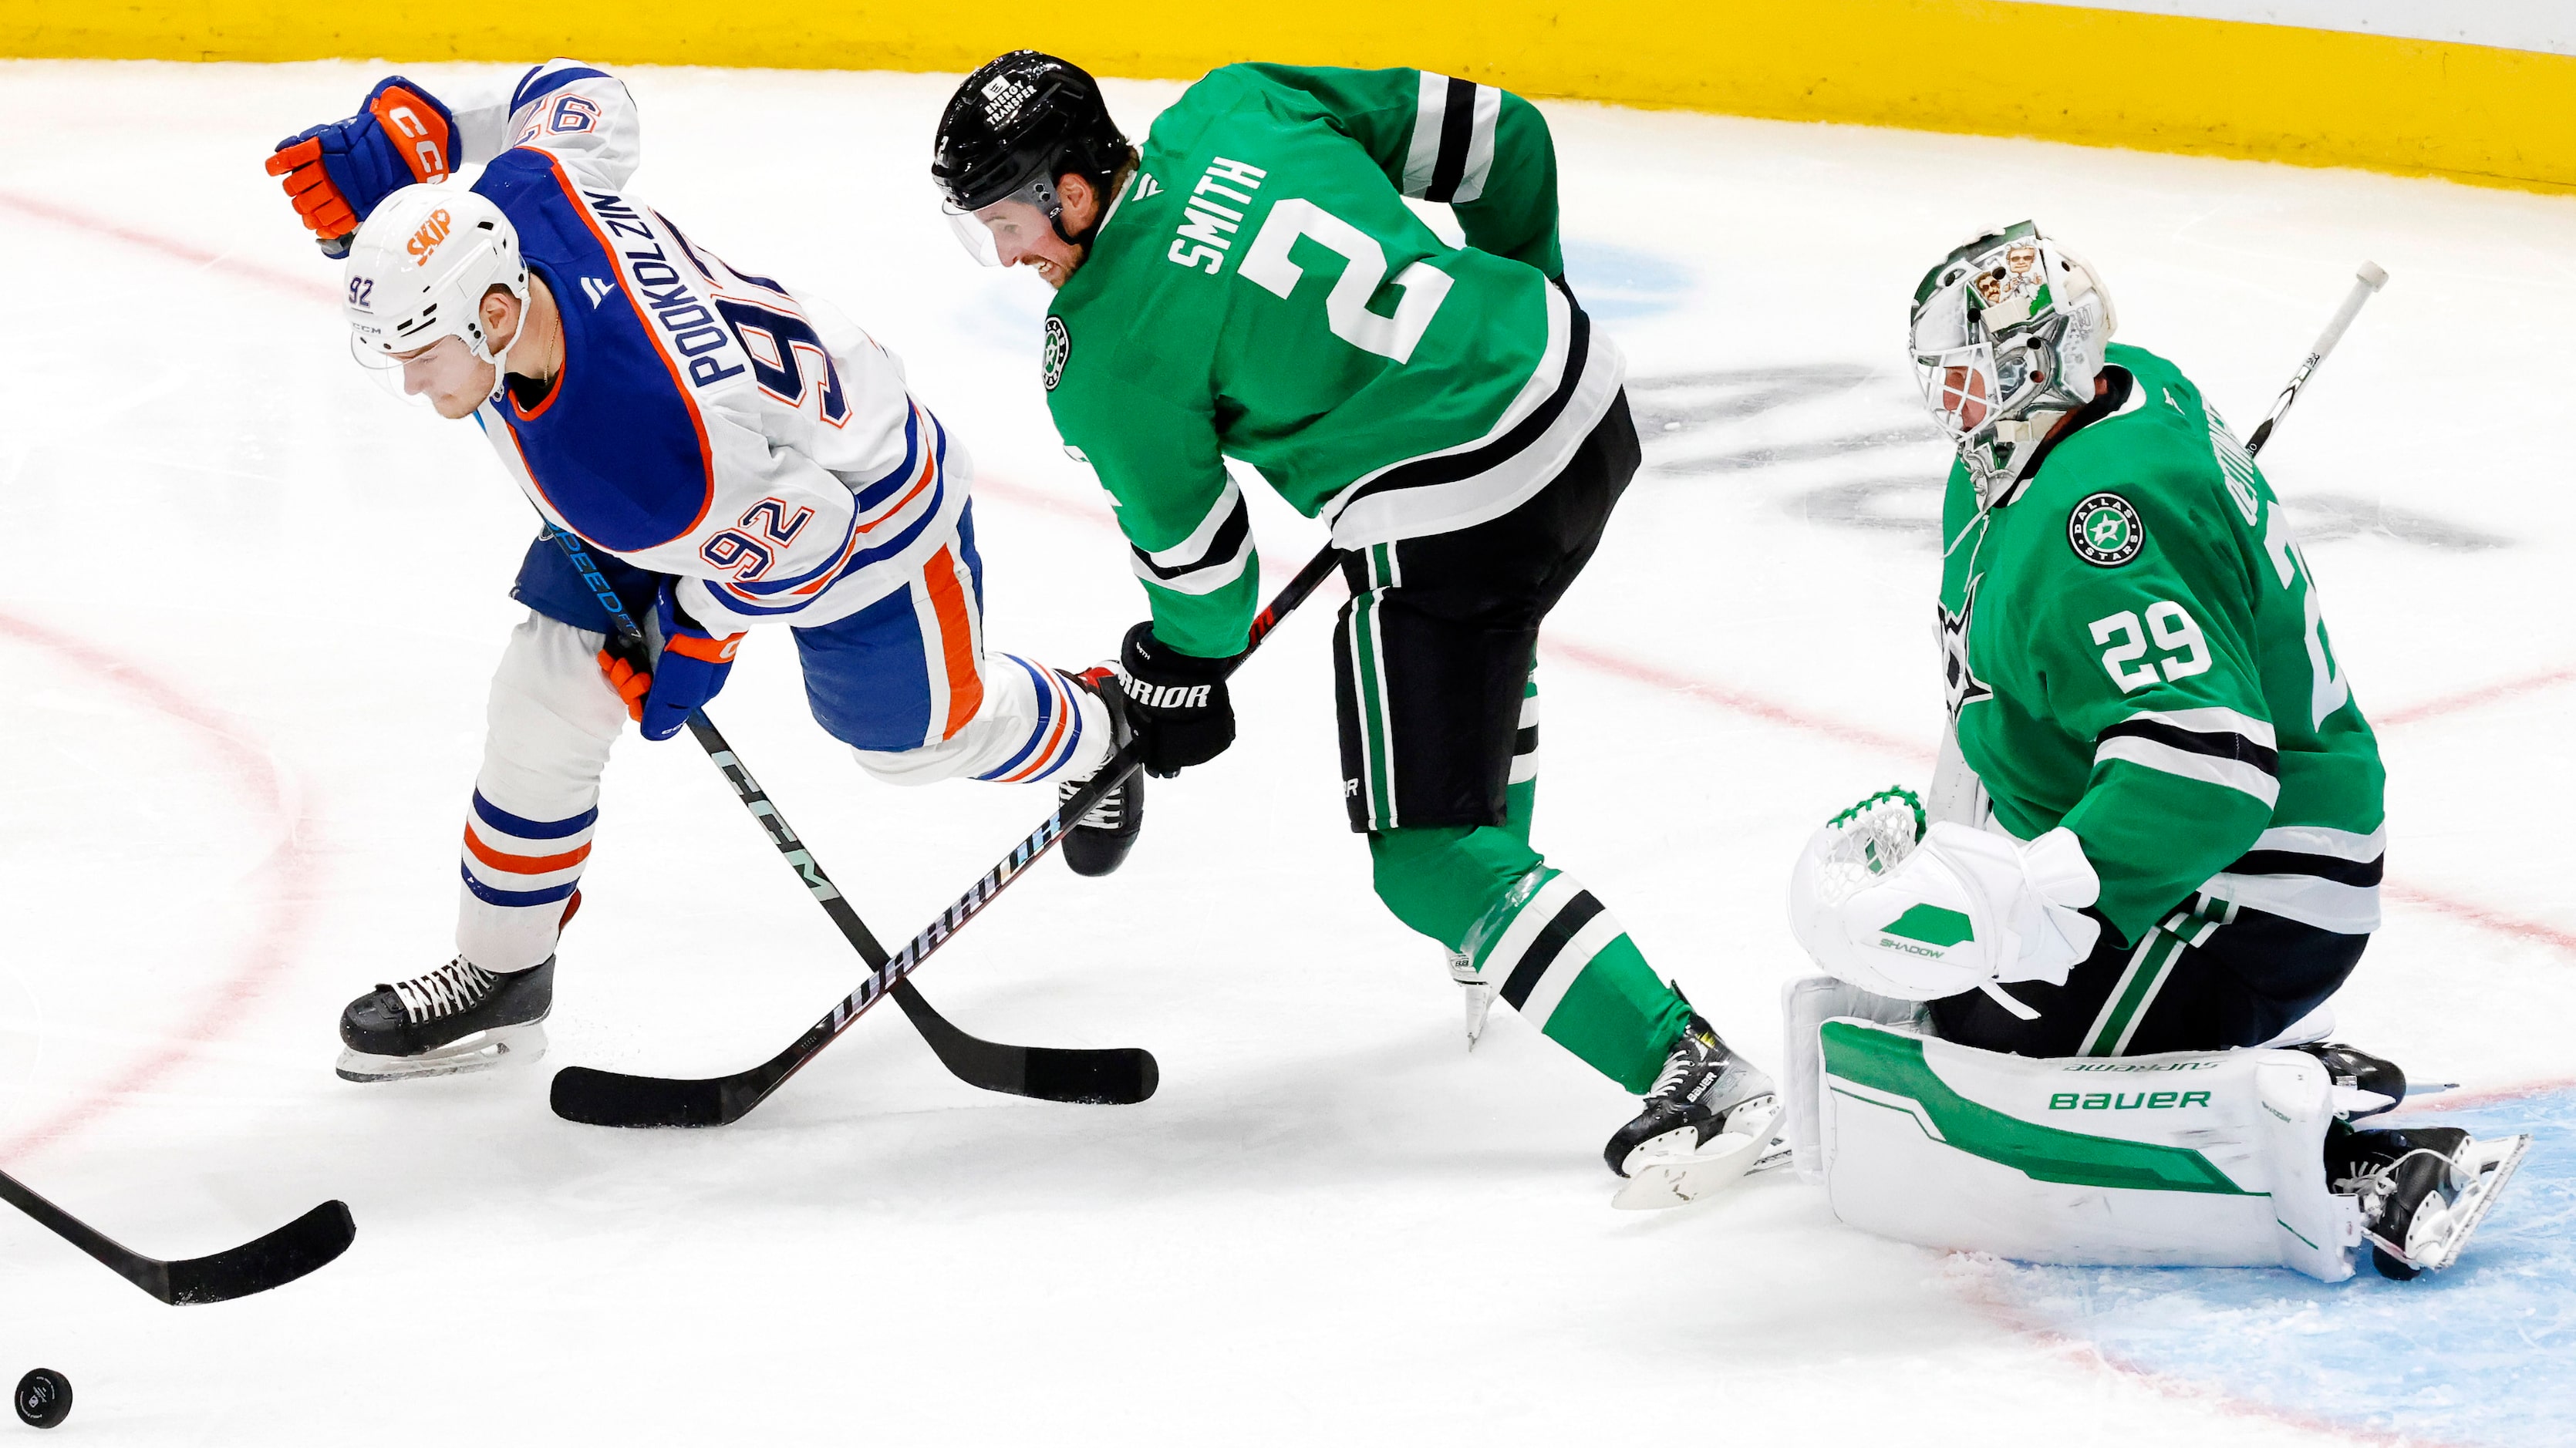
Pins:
<point x="1669" y="1172"/>
<point x="2440" y="1230"/>
<point x="458" y="1018"/>
<point x="2423" y="1190"/>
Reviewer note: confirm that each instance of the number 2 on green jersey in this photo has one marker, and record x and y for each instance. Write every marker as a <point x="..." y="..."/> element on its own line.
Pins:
<point x="1346" y="307"/>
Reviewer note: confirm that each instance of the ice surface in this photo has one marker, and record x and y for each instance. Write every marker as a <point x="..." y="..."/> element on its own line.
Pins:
<point x="2482" y="1352"/>
<point x="252" y="603"/>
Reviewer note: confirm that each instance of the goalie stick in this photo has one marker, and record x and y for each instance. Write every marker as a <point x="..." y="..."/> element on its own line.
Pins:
<point x="1114" y="1076"/>
<point x="309" y="1242"/>
<point x="2367" y="280"/>
<point x="610" y="1098"/>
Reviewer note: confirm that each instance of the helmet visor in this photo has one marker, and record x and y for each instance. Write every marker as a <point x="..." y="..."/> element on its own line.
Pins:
<point x="1001" y="232"/>
<point x="421" y="375"/>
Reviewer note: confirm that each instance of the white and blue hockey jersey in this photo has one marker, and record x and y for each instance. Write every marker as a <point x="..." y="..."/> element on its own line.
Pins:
<point x="708" y="423"/>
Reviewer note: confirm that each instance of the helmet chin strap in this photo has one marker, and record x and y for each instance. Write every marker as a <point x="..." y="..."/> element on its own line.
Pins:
<point x="500" y="357"/>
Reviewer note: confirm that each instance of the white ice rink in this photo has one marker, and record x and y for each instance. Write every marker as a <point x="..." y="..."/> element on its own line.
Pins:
<point x="250" y="606"/>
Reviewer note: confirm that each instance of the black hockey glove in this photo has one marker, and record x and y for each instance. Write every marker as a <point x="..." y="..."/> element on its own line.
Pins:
<point x="1183" y="713"/>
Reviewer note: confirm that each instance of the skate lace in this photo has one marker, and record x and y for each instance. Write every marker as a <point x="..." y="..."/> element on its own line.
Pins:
<point x="1102" y="816"/>
<point x="452" y="987"/>
<point x="1685" y="1059"/>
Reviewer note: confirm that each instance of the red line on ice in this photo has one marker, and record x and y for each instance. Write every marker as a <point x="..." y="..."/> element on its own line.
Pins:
<point x="2474" y="698"/>
<point x="308" y="287"/>
<point x="286" y="878"/>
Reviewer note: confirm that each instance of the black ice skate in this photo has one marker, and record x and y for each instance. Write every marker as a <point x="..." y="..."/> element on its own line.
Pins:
<point x="1099" y="841"/>
<point x="2423" y="1189"/>
<point x="2361" y="1072"/>
<point x="459" y="1017"/>
<point x="1707" y="1121"/>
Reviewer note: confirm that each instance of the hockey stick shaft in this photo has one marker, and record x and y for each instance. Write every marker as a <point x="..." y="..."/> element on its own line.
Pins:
<point x="2366" y="281"/>
<point x="604" y="1098"/>
<point x="309" y="1242"/>
<point x="1115" y="1075"/>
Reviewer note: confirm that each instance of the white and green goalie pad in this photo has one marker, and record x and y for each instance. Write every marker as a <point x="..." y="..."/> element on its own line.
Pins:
<point x="2189" y="1159"/>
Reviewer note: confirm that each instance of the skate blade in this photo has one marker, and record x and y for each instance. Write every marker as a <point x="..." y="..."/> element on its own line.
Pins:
<point x="1480" y="1001"/>
<point x="479" y="1052"/>
<point x="2496" y="1163"/>
<point x="1665" y="1180"/>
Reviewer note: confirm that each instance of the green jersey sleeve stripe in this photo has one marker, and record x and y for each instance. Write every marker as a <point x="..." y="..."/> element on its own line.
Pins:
<point x="2213" y="721"/>
<point x="1214" y="555"/>
<point x="2332" y="843"/>
<point x="1451" y="154"/>
<point x="2240" y="775"/>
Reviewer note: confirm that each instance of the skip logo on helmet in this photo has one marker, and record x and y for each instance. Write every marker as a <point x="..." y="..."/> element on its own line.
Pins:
<point x="425" y="241"/>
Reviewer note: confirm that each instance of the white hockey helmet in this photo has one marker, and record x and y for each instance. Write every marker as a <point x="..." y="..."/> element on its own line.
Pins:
<point x="2008" y="336"/>
<point x="419" y="268"/>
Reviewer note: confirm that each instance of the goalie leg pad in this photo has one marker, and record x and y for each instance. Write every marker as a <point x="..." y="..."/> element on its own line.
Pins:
<point x="2201" y="1159"/>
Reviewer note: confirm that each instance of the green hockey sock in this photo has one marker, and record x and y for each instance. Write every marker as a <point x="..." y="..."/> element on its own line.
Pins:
<point x="1551" y="950"/>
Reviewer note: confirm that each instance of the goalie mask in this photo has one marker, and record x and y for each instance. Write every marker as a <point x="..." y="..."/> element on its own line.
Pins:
<point x="2008" y="337"/>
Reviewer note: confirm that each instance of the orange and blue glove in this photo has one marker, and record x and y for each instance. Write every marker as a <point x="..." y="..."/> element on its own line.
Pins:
<point x="690" y="671"/>
<point x="335" y="174"/>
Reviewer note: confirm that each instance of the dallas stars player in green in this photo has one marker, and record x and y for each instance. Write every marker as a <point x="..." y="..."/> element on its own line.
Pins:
<point x="1252" y="286"/>
<point x="2157" y="820"/>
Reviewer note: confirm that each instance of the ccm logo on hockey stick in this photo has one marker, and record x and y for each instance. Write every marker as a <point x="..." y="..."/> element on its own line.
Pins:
<point x="1169" y="696"/>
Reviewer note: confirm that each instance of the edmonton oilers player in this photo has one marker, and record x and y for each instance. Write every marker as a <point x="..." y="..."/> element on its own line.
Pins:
<point x="734" y="452"/>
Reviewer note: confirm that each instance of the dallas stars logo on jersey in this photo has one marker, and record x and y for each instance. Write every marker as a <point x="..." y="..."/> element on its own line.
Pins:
<point x="2105" y="530"/>
<point x="1059" y="346"/>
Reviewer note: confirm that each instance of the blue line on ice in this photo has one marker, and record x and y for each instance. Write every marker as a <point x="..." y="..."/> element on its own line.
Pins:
<point x="2483" y="1354"/>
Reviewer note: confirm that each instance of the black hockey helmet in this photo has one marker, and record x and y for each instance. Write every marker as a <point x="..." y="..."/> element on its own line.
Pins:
<point x="1014" y="126"/>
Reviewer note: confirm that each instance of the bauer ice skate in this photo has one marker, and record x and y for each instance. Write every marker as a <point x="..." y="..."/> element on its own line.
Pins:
<point x="1099" y="841"/>
<point x="2423" y="1190"/>
<point x="458" y="1018"/>
<point x="1709" y="1119"/>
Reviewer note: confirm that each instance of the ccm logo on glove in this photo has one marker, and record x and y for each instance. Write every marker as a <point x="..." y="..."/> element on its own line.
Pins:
<point x="336" y="173"/>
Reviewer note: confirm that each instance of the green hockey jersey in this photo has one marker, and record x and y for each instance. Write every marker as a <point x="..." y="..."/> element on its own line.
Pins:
<point x="2134" y="649"/>
<point x="1260" y="291"/>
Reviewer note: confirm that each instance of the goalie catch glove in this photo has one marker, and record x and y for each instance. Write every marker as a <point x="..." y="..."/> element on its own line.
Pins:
<point x="336" y="173"/>
<point x="1921" y="914"/>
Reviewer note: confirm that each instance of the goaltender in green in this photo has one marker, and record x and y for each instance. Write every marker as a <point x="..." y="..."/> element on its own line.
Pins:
<point x="1252" y="285"/>
<point x="2153" y="853"/>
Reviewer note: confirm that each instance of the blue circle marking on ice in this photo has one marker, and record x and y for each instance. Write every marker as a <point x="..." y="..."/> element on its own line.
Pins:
<point x="2483" y="1353"/>
<point x="1617" y="283"/>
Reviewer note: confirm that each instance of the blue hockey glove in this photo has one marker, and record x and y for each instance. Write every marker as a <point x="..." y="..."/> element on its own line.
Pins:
<point x="690" y="671"/>
<point x="335" y="174"/>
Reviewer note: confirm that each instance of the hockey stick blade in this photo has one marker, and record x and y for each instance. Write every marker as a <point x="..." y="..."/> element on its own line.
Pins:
<point x="610" y="1098"/>
<point x="306" y="1245"/>
<point x="1051" y="1073"/>
<point x="303" y="1246"/>
<point x="1085" y="1076"/>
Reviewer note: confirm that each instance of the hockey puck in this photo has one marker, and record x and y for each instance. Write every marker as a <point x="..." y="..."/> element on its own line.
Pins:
<point x="44" y="1398"/>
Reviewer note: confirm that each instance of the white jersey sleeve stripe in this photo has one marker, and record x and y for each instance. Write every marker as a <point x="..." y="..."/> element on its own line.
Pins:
<point x="2232" y="774"/>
